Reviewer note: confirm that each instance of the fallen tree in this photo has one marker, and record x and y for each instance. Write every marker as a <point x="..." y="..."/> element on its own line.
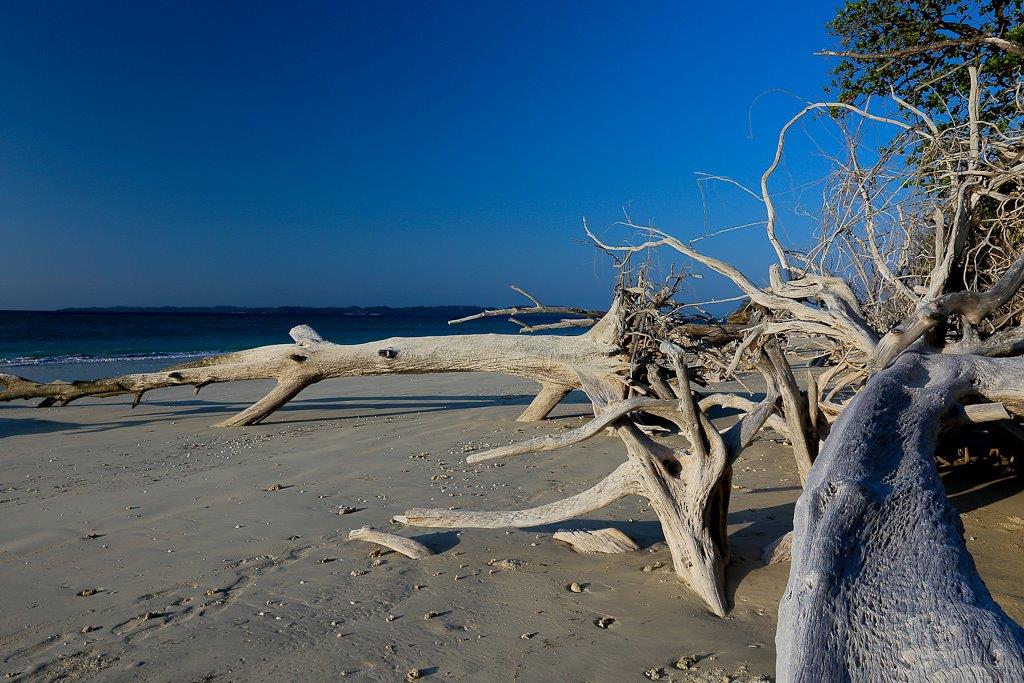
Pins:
<point x="556" y="362"/>
<point x="615" y="351"/>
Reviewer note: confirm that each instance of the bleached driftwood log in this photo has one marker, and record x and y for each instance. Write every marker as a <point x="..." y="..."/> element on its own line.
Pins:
<point x="973" y="306"/>
<point x="414" y="550"/>
<point x="882" y="586"/>
<point x="556" y="362"/>
<point x="606" y="354"/>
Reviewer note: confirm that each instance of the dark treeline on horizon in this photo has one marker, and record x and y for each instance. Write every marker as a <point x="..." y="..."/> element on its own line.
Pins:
<point x="399" y="311"/>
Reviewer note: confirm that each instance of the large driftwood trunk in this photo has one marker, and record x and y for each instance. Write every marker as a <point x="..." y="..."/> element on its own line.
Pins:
<point x="882" y="586"/>
<point x="554" y="361"/>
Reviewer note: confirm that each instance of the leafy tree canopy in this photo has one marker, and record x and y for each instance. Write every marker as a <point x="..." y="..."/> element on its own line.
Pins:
<point x="920" y="49"/>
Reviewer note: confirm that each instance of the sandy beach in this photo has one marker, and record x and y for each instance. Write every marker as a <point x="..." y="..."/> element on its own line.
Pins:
<point x="144" y="545"/>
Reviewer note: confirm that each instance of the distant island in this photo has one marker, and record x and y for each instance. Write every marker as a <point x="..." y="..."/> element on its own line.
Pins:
<point x="398" y="312"/>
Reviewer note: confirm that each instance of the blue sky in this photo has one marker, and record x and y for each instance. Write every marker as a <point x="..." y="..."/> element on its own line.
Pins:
<point x="380" y="153"/>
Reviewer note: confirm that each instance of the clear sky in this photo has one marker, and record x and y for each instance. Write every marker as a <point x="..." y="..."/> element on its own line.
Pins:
<point x="346" y="153"/>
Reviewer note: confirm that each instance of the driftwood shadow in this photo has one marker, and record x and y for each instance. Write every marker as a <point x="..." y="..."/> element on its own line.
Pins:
<point x="439" y="542"/>
<point x="977" y="485"/>
<point x="30" y="426"/>
<point x="395" y="406"/>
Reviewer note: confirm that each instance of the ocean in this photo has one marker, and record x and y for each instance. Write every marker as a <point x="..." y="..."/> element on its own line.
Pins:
<point x="45" y="345"/>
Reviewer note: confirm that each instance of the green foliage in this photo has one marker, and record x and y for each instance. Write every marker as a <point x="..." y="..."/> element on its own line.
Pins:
<point x="936" y="78"/>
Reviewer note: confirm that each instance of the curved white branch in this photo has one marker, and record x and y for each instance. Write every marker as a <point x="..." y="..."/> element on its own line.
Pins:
<point x="619" y="484"/>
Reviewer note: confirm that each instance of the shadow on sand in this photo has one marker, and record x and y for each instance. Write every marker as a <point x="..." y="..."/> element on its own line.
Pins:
<point x="375" y="406"/>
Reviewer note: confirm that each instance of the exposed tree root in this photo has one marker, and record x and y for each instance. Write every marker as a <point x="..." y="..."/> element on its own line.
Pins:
<point x="688" y="489"/>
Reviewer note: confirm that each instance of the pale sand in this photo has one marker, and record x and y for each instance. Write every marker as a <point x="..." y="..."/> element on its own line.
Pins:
<point x="234" y="579"/>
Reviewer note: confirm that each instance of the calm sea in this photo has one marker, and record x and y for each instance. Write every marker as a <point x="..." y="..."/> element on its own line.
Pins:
<point x="35" y="339"/>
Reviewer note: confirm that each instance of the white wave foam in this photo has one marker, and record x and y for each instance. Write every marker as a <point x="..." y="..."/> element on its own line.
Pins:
<point x="74" y="359"/>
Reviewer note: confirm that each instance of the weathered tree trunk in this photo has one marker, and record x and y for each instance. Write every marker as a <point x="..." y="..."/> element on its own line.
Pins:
<point x="554" y="361"/>
<point x="882" y="586"/>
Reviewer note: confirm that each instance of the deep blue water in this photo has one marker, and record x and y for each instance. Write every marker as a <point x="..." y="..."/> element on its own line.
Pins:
<point x="33" y="338"/>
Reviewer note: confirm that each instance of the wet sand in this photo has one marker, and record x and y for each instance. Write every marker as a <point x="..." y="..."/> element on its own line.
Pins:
<point x="191" y="570"/>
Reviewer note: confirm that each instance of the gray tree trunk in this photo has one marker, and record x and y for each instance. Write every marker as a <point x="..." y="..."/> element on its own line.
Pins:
<point x="882" y="586"/>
